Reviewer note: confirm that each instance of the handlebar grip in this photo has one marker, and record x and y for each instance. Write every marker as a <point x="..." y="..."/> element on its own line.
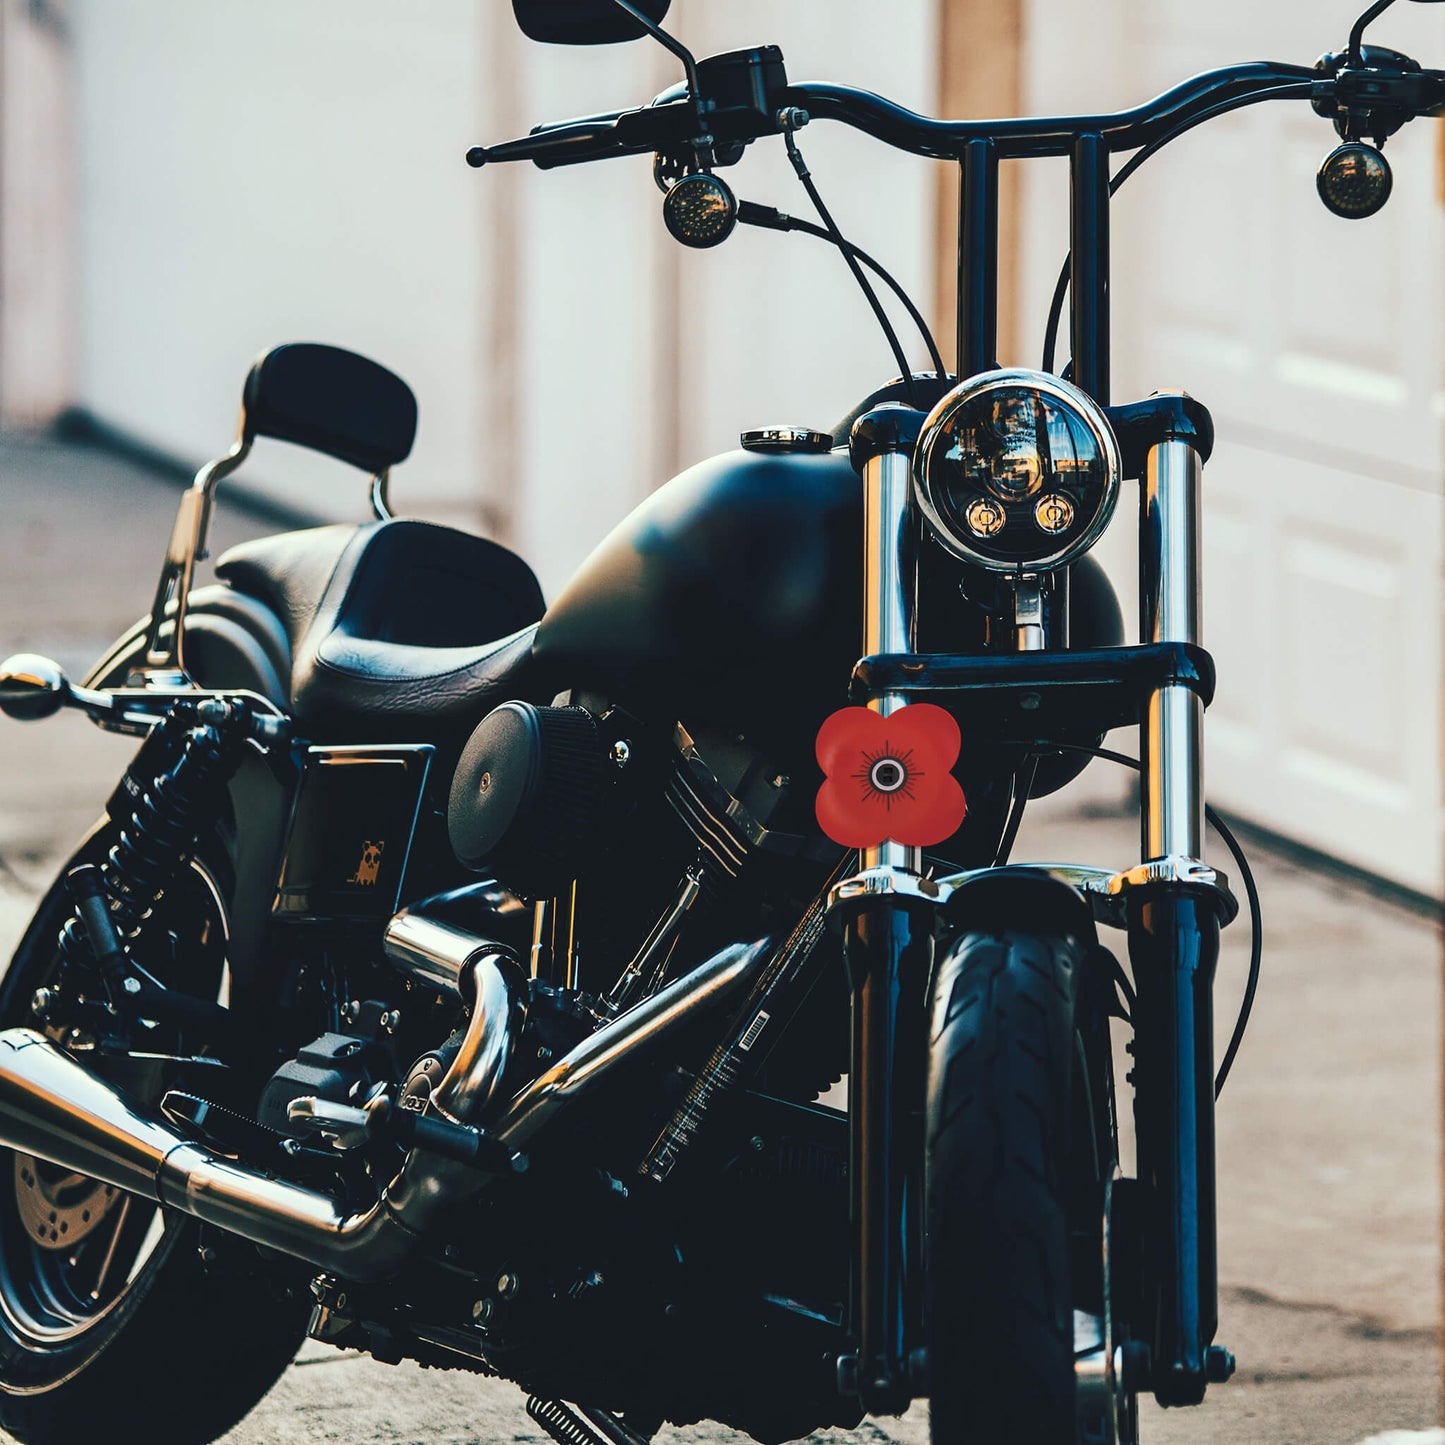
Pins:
<point x="568" y="144"/>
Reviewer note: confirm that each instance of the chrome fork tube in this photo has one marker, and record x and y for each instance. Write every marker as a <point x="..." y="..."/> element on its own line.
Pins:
<point x="1174" y="945"/>
<point x="1173" y="734"/>
<point x="887" y="601"/>
<point x="888" y="947"/>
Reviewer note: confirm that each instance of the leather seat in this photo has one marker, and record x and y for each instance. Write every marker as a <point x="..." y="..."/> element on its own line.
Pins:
<point x="399" y="630"/>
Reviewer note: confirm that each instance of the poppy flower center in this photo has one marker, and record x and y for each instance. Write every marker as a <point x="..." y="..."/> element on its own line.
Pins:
<point x="887" y="775"/>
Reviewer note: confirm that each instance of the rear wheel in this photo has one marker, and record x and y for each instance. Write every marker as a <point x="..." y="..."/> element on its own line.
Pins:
<point x="107" y="1312"/>
<point x="1021" y="1146"/>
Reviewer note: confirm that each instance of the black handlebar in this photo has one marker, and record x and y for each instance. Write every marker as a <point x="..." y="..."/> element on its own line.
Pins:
<point x="668" y="126"/>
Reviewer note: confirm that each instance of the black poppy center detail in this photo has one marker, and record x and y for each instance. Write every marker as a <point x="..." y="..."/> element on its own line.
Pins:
<point x="887" y="774"/>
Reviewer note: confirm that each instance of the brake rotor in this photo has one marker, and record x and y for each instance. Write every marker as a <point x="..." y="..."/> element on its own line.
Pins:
<point x="57" y="1206"/>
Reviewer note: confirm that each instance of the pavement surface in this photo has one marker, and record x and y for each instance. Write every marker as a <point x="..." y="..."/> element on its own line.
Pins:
<point x="1329" y="1131"/>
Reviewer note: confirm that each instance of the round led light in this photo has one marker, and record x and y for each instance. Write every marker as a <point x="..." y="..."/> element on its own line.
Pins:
<point x="1017" y="471"/>
<point x="1054" y="513"/>
<point x="984" y="517"/>
<point x="1355" y="180"/>
<point x="700" y="210"/>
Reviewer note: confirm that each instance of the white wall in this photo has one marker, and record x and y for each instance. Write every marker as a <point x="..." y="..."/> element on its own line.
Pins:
<point x="1319" y="346"/>
<point x="281" y="171"/>
<point x="275" y="171"/>
<point x="37" y="263"/>
<point x="637" y="356"/>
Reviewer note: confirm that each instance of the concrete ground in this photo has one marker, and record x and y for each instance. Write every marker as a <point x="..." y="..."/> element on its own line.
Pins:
<point x="1329" y="1131"/>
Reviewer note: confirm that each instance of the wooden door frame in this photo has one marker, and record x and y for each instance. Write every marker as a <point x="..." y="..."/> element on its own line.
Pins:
<point x="974" y="88"/>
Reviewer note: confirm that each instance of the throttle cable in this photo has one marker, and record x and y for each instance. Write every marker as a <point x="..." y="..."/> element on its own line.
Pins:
<point x="846" y="250"/>
<point x="750" y="213"/>
<point x="1251" y="892"/>
<point x="1294" y="90"/>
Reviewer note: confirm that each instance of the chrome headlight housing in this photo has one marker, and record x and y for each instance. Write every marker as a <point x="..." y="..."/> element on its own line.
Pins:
<point x="1017" y="471"/>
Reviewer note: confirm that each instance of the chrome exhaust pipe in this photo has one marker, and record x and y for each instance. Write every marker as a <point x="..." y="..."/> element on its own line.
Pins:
<point x="53" y="1108"/>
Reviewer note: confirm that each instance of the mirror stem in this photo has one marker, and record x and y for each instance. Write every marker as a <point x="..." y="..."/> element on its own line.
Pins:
<point x="1357" y="35"/>
<point x="703" y="141"/>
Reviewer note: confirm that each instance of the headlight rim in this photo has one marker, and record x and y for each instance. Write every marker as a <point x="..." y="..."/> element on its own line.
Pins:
<point x="1057" y="389"/>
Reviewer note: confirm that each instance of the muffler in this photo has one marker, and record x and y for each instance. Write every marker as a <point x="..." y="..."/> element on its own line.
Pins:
<point x="53" y="1108"/>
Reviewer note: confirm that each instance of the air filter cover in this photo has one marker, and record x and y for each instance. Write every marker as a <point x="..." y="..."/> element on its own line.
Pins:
<point x="527" y="795"/>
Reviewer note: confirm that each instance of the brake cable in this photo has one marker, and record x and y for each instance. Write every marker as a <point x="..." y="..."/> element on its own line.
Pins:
<point x="1294" y="90"/>
<point x="1251" y="893"/>
<point x="750" y="213"/>
<point x="846" y="249"/>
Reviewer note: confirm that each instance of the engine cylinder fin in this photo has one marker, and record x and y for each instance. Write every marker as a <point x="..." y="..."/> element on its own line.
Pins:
<point x="708" y="825"/>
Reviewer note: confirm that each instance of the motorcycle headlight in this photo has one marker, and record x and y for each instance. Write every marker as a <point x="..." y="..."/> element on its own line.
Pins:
<point x="1017" y="471"/>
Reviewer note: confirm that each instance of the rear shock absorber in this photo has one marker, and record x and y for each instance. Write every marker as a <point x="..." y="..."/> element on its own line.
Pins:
<point x="160" y="817"/>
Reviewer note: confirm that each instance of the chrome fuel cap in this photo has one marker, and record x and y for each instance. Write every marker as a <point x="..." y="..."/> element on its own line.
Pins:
<point x="786" y="439"/>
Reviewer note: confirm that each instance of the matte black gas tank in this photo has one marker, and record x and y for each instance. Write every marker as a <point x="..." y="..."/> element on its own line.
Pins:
<point x="735" y="588"/>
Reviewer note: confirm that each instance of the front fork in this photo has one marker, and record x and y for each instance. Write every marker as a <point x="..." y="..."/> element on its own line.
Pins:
<point x="888" y="945"/>
<point x="1175" y="910"/>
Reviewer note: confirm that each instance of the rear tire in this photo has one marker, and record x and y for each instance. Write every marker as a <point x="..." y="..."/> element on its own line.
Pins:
<point x="1020" y="1139"/>
<point x="169" y="1350"/>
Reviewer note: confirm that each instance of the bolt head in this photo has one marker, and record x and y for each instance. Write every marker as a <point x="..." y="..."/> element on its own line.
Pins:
<point x="482" y="1311"/>
<point x="41" y="1002"/>
<point x="131" y="986"/>
<point x="621" y="752"/>
<point x="1218" y="1364"/>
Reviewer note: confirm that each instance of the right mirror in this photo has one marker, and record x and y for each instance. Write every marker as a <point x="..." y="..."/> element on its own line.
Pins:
<point x="584" y="22"/>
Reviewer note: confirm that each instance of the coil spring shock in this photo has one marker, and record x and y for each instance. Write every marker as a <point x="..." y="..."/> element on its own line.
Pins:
<point x="563" y="1424"/>
<point x="156" y="838"/>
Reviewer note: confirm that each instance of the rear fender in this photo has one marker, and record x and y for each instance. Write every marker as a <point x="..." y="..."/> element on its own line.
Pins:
<point x="232" y="642"/>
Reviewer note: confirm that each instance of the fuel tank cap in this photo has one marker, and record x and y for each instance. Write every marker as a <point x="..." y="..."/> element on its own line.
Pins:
<point x="786" y="439"/>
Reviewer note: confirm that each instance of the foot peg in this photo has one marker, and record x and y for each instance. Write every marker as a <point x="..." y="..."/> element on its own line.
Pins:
<point x="346" y="1127"/>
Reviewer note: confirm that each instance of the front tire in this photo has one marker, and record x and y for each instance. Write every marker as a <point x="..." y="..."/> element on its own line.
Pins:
<point x="1020" y="1141"/>
<point x="128" y="1330"/>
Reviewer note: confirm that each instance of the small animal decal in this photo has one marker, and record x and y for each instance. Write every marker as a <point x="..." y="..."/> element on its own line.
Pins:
<point x="366" y="870"/>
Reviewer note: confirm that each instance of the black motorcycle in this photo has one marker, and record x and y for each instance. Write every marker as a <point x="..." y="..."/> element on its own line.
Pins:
<point x="460" y="979"/>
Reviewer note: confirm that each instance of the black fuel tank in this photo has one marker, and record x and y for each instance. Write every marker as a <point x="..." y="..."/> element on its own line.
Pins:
<point x="735" y="594"/>
<point x="735" y="588"/>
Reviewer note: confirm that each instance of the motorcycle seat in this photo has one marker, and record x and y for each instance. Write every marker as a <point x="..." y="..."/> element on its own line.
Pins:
<point x="399" y="630"/>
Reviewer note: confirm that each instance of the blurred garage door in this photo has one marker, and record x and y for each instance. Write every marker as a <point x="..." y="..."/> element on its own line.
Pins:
<point x="1319" y="345"/>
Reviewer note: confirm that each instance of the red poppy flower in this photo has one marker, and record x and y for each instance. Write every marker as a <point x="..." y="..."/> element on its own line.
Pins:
<point x="889" y="777"/>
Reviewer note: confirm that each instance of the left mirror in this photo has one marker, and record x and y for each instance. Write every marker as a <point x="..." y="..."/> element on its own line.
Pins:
<point x="31" y="687"/>
<point x="584" y="22"/>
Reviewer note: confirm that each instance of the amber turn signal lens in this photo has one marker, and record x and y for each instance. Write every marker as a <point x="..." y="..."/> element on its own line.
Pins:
<point x="1355" y="180"/>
